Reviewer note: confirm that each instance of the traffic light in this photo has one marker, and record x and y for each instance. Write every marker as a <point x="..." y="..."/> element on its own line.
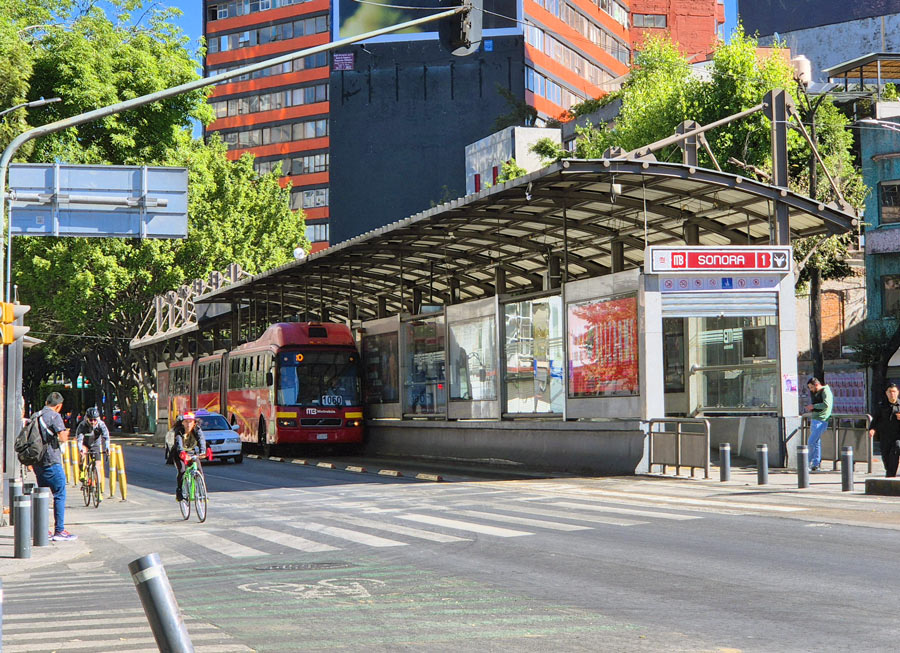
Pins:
<point x="461" y="33"/>
<point x="9" y="313"/>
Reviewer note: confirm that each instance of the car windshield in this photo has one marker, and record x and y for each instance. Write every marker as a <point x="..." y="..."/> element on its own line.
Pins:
<point x="318" y="378"/>
<point x="213" y="423"/>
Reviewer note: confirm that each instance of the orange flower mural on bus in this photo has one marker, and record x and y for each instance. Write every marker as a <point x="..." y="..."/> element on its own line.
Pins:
<point x="603" y="348"/>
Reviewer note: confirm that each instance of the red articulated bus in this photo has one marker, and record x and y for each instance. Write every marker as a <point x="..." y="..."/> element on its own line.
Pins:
<point x="298" y="383"/>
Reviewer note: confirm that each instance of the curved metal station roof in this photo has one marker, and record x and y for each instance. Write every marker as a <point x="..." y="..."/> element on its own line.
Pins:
<point x="585" y="213"/>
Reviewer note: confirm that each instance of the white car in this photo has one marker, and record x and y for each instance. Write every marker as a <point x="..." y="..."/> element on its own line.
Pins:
<point x="220" y="437"/>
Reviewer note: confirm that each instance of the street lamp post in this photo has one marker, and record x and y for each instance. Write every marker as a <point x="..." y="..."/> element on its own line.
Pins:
<point x="30" y="105"/>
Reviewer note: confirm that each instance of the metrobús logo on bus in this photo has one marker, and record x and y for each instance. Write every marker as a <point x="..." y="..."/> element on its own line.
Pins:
<point x="320" y="411"/>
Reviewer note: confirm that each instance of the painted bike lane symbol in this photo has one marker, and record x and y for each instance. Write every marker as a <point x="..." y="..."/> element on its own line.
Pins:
<point x="324" y="589"/>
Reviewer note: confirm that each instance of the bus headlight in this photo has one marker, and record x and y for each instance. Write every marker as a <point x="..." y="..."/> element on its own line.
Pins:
<point x="354" y="422"/>
<point x="287" y="422"/>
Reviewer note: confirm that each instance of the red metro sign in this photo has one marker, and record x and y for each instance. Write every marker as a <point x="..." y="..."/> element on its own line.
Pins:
<point x="718" y="259"/>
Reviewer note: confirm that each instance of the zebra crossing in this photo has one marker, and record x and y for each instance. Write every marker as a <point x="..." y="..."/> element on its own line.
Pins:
<point x="49" y="611"/>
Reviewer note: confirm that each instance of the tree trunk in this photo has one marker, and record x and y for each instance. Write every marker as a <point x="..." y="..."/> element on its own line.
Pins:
<point x="815" y="324"/>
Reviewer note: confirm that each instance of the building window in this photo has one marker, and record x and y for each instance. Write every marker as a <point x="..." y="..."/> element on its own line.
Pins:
<point x="654" y="21"/>
<point x="890" y="201"/>
<point x="890" y="296"/>
<point x="278" y="32"/>
<point x="309" y="198"/>
<point x="317" y="232"/>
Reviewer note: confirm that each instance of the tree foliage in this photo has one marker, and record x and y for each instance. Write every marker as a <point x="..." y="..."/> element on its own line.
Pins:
<point x="95" y="292"/>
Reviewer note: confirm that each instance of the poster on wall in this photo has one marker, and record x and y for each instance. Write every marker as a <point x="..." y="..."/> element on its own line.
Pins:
<point x="603" y="348"/>
<point x="353" y="18"/>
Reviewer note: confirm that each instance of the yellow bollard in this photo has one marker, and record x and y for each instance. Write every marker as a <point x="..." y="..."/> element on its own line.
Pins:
<point x="75" y="461"/>
<point x="113" y="460"/>
<point x="102" y="473"/>
<point x="120" y="464"/>
<point x="65" y="462"/>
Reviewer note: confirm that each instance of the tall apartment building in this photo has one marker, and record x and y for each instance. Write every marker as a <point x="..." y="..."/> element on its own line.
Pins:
<point x="279" y="114"/>
<point x="693" y="24"/>
<point x="378" y="131"/>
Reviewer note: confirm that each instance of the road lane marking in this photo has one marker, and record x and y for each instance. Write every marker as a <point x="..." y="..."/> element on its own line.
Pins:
<point x="464" y="526"/>
<point x="524" y="521"/>
<point x="221" y="545"/>
<point x="723" y="505"/>
<point x="68" y="645"/>
<point x="344" y="534"/>
<point x="562" y="514"/>
<point x="285" y="539"/>
<point x="397" y="529"/>
<point x="624" y="511"/>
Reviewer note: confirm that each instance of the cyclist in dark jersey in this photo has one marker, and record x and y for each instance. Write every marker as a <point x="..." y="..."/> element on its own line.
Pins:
<point x="188" y="437"/>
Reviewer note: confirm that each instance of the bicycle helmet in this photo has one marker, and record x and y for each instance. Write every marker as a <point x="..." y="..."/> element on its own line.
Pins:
<point x="92" y="413"/>
<point x="188" y="416"/>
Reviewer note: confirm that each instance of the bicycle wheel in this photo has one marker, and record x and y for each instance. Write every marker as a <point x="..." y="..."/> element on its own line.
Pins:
<point x="95" y="486"/>
<point x="85" y="488"/>
<point x="186" y="494"/>
<point x="200" y="498"/>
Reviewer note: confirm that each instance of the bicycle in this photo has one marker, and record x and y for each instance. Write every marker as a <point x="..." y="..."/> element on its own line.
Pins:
<point x="90" y="481"/>
<point x="193" y="488"/>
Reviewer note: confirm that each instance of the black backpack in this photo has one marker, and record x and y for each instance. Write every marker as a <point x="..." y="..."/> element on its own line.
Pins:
<point x="30" y="446"/>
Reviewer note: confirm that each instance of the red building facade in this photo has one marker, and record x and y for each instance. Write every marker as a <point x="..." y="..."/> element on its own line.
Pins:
<point x="692" y="24"/>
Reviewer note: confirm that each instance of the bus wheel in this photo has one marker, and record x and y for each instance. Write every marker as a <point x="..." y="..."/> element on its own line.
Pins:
<point x="264" y="447"/>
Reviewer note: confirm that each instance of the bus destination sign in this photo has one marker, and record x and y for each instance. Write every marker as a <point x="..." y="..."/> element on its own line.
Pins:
<point x="718" y="259"/>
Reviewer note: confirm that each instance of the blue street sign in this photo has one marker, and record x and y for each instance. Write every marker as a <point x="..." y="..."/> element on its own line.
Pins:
<point x="727" y="283"/>
<point x="98" y="201"/>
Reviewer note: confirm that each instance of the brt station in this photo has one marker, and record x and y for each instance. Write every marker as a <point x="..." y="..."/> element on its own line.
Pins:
<point x="554" y="321"/>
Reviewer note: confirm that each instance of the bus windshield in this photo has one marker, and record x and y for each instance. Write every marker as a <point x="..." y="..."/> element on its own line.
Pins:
<point x="318" y="378"/>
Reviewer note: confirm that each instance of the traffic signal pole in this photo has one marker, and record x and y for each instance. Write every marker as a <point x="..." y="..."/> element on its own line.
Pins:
<point x="11" y="418"/>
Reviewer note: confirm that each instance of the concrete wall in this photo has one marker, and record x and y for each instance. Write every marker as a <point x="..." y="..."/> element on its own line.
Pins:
<point x="400" y="123"/>
<point x="603" y="448"/>
<point x="744" y="433"/>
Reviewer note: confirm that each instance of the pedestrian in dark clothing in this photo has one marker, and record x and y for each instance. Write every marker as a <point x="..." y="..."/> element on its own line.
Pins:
<point x="886" y="424"/>
<point x="49" y="472"/>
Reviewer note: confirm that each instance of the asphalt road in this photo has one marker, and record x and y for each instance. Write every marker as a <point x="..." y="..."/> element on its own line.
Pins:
<point x="298" y="558"/>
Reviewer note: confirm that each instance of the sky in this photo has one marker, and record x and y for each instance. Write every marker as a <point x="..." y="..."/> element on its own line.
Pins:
<point x="192" y="25"/>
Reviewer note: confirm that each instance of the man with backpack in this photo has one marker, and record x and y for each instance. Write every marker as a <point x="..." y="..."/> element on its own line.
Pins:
<point x="49" y="471"/>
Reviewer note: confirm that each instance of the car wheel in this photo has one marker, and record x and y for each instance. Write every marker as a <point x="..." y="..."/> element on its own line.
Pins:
<point x="238" y="459"/>
<point x="167" y="454"/>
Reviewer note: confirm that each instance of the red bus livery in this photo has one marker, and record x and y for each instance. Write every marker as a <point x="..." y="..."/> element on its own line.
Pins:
<point x="298" y="383"/>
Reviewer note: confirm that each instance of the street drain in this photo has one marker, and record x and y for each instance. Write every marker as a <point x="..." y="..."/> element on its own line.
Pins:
<point x="304" y="566"/>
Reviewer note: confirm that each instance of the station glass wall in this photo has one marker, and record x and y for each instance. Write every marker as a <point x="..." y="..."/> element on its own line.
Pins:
<point x="381" y="367"/>
<point x="473" y="367"/>
<point x="534" y="354"/>
<point x="426" y="385"/>
<point x="734" y="363"/>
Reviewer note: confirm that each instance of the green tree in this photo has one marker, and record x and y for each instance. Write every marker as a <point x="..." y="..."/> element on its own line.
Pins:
<point x="95" y="292"/>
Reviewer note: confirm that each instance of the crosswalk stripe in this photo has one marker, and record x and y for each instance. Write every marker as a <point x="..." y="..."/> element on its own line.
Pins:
<point x="86" y="633"/>
<point x="68" y="645"/>
<point x="221" y="545"/>
<point x="344" y="534"/>
<point x="214" y="648"/>
<point x="624" y="511"/>
<point x="143" y="540"/>
<point x="399" y="530"/>
<point x="50" y="616"/>
<point x="285" y="539"/>
<point x="86" y="623"/>
<point x="562" y="514"/>
<point x="656" y="498"/>
<point x="464" y="526"/>
<point x="525" y="521"/>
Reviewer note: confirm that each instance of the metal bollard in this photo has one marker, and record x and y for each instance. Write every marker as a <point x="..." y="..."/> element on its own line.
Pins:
<point x="725" y="462"/>
<point x="159" y="603"/>
<point x="847" y="469"/>
<point x="28" y="488"/>
<point x="15" y="490"/>
<point x="803" y="466"/>
<point x="762" y="464"/>
<point x="40" y="501"/>
<point x="22" y="533"/>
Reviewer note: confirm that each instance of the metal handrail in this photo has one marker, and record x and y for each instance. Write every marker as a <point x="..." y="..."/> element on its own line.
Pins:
<point x="679" y="422"/>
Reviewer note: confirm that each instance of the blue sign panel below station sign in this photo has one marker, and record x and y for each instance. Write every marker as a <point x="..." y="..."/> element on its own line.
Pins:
<point x="98" y="201"/>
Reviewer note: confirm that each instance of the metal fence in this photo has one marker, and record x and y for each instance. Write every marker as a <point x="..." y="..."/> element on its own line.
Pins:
<point x="685" y="446"/>
<point x="844" y="430"/>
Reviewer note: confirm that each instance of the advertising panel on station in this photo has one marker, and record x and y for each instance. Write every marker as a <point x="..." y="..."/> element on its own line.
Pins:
<point x="701" y="260"/>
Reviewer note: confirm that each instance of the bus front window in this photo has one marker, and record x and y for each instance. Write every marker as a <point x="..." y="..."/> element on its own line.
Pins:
<point x="318" y="378"/>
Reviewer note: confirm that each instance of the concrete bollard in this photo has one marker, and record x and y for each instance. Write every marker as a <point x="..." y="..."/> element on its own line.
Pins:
<point x="159" y="604"/>
<point x="40" y="501"/>
<point x="22" y="532"/>
<point x="762" y="464"/>
<point x="724" y="462"/>
<point x="15" y="490"/>
<point x="803" y="466"/>
<point x="847" y="469"/>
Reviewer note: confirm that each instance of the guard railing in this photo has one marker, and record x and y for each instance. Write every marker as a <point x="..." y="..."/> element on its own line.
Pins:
<point x="679" y="441"/>
<point x="844" y="430"/>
